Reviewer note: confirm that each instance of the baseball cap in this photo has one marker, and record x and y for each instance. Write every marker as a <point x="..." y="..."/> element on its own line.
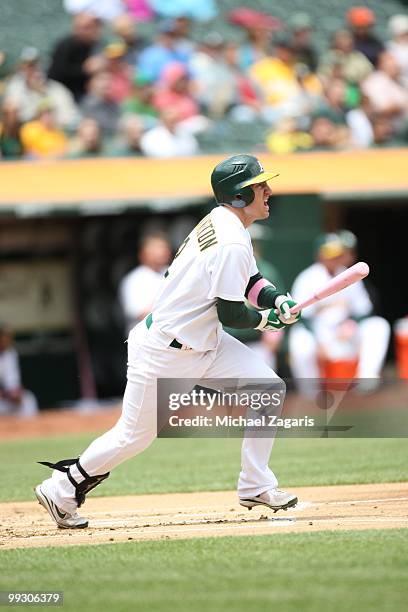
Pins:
<point x="329" y="246"/>
<point x="29" y="54"/>
<point x="360" y="16"/>
<point x="115" y="49"/>
<point x="235" y="173"/>
<point x="255" y="171"/>
<point x="398" y="24"/>
<point x="213" y="39"/>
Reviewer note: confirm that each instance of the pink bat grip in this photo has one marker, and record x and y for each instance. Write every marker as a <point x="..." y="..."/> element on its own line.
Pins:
<point x="352" y="275"/>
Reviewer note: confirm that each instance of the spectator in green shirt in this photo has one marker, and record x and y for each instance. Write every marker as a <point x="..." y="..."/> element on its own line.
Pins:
<point x="140" y="100"/>
<point x="10" y="142"/>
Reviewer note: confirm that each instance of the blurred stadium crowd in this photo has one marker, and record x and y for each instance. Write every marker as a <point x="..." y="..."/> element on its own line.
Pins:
<point x="109" y="89"/>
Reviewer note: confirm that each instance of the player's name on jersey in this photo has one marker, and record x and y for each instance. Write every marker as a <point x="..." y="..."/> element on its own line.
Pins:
<point x="240" y="421"/>
<point x="206" y="235"/>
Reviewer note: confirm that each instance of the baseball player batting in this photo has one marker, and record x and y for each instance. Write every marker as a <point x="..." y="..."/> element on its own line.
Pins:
<point x="212" y="273"/>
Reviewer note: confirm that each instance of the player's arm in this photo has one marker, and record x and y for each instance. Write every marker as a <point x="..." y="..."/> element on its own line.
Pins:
<point x="238" y="316"/>
<point x="229" y="280"/>
<point x="263" y="294"/>
<point x="260" y="292"/>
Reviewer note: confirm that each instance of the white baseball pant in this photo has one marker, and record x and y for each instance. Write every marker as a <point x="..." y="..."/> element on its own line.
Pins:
<point x="150" y="357"/>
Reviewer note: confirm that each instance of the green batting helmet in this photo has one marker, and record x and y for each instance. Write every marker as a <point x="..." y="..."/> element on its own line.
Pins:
<point x="232" y="178"/>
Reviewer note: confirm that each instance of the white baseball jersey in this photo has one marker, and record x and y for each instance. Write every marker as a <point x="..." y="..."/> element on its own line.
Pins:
<point x="9" y="370"/>
<point x="216" y="260"/>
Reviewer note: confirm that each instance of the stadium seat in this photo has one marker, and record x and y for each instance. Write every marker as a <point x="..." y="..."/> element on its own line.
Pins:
<point x="42" y="22"/>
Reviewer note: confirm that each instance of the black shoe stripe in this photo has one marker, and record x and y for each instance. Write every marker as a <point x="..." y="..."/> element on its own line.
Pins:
<point x="45" y="502"/>
<point x="53" y="509"/>
<point x="48" y="505"/>
<point x="55" y="512"/>
<point x="60" y="514"/>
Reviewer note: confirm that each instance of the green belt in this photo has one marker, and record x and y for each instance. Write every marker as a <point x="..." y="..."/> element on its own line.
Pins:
<point x="174" y="343"/>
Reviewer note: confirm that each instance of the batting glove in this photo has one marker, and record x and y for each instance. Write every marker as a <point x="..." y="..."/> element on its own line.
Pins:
<point x="270" y="321"/>
<point x="283" y="304"/>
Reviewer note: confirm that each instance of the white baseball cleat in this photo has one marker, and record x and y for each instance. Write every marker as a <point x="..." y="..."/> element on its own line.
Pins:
<point x="64" y="520"/>
<point x="274" y="499"/>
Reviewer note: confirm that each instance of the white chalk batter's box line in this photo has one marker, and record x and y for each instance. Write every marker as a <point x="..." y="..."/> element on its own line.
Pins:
<point x="221" y="509"/>
<point x="367" y="501"/>
<point x="106" y="524"/>
<point x="208" y="527"/>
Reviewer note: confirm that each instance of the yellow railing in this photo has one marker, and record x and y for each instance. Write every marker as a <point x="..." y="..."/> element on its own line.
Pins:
<point x="127" y="179"/>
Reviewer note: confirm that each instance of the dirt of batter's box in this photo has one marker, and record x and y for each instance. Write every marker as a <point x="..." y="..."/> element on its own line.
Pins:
<point x="204" y="514"/>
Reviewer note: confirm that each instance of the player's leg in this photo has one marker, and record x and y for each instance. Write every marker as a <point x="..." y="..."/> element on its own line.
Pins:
<point x="265" y="352"/>
<point x="235" y="360"/>
<point x="133" y="433"/>
<point x="148" y="359"/>
<point x="374" y="340"/>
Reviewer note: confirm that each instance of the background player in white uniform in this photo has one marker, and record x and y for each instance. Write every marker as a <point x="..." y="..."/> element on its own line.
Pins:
<point x="340" y="327"/>
<point x="205" y="287"/>
<point x="13" y="398"/>
<point x="139" y="287"/>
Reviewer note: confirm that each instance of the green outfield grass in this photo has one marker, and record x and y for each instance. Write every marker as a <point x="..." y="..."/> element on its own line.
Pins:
<point x="209" y="464"/>
<point x="359" y="570"/>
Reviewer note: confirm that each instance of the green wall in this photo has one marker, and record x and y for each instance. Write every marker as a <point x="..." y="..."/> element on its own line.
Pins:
<point x="294" y="223"/>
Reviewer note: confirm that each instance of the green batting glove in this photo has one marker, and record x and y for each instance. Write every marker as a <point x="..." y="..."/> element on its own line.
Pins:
<point x="270" y="321"/>
<point x="283" y="304"/>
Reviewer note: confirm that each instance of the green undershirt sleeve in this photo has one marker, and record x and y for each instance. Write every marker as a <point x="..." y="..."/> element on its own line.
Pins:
<point x="237" y="315"/>
<point x="267" y="297"/>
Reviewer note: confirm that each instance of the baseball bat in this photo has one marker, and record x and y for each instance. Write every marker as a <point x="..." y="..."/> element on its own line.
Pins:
<point x="352" y="275"/>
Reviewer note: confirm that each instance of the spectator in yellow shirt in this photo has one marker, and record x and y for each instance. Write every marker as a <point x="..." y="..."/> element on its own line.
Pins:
<point x="288" y="88"/>
<point x="42" y="137"/>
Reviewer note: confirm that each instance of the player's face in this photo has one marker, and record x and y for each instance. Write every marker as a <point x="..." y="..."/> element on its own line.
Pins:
<point x="6" y="340"/>
<point x="333" y="264"/>
<point x="259" y="208"/>
<point x="155" y="254"/>
<point x="349" y="257"/>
